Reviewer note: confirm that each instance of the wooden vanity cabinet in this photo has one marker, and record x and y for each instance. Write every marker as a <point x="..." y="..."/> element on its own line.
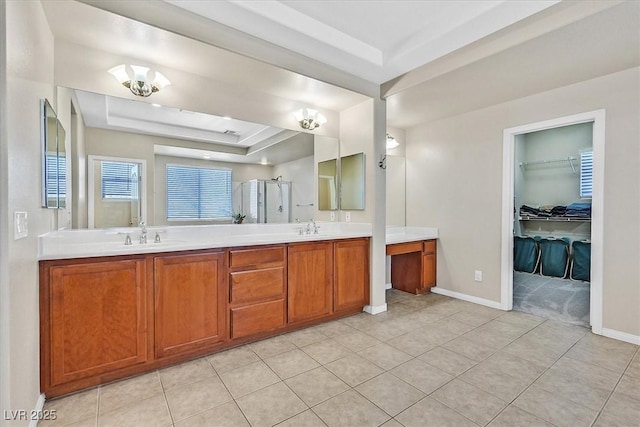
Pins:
<point x="428" y="265"/>
<point x="310" y="281"/>
<point x="413" y="266"/>
<point x="351" y="274"/>
<point x="190" y="302"/>
<point x="257" y="290"/>
<point x="93" y="318"/>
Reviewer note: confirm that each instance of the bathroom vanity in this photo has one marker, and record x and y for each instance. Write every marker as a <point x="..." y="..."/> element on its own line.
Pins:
<point x="108" y="311"/>
<point x="413" y="262"/>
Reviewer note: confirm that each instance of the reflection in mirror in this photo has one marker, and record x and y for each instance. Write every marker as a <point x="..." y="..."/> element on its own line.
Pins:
<point x="165" y="136"/>
<point x="53" y="159"/>
<point x="352" y="179"/>
<point x="327" y="185"/>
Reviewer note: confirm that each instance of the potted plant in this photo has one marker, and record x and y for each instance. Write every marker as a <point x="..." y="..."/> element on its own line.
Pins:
<point x="238" y="218"/>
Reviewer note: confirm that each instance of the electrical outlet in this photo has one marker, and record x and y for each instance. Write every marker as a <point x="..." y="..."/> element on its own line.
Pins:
<point x="347" y="216"/>
<point x="332" y="216"/>
<point x="20" y="225"/>
<point x="478" y="275"/>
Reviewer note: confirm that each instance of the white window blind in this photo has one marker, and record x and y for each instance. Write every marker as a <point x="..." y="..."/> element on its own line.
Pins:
<point x="119" y="180"/>
<point x="586" y="174"/>
<point x="56" y="174"/>
<point x="198" y="193"/>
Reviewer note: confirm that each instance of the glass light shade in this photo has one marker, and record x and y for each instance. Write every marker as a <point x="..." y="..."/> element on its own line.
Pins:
<point x="391" y="142"/>
<point x="120" y="73"/>
<point x="299" y="116"/>
<point x="160" y="81"/>
<point x="140" y="73"/>
<point x="321" y="119"/>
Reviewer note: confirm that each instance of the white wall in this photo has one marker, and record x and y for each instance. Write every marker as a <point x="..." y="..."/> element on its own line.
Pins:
<point x="300" y="173"/>
<point x="396" y="179"/>
<point x="456" y="167"/>
<point x="29" y="79"/>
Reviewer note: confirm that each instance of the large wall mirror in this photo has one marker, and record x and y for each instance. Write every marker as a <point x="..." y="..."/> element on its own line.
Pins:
<point x="328" y="185"/>
<point x="352" y="180"/>
<point x="261" y="172"/>
<point x="54" y="176"/>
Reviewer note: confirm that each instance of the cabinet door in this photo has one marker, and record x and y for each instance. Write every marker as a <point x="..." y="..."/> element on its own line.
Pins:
<point x="429" y="265"/>
<point x="97" y="318"/>
<point x="190" y="293"/>
<point x="351" y="274"/>
<point x="310" y="281"/>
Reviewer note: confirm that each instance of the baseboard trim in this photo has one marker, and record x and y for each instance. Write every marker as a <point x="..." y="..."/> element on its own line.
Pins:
<point x="388" y="286"/>
<point x="375" y="309"/>
<point x="38" y="410"/>
<point x="465" y="297"/>
<point x="622" y="336"/>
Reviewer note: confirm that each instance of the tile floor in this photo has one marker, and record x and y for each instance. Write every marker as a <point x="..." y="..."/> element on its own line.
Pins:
<point x="428" y="361"/>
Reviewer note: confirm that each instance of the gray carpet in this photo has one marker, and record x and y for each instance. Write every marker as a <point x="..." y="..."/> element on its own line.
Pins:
<point x="559" y="299"/>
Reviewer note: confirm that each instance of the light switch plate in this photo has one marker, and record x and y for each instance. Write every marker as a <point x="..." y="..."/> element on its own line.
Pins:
<point x="332" y="216"/>
<point x="347" y="216"/>
<point x="478" y="275"/>
<point x="20" y="225"/>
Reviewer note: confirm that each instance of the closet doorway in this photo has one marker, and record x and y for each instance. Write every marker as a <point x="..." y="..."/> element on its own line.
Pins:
<point x="553" y="220"/>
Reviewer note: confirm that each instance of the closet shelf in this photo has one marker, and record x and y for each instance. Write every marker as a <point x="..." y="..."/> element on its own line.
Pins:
<point x="569" y="160"/>
<point x="556" y="219"/>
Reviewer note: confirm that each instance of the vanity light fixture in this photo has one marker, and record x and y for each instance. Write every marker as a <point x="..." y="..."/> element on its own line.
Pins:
<point x="391" y="142"/>
<point x="309" y="118"/>
<point x="141" y="83"/>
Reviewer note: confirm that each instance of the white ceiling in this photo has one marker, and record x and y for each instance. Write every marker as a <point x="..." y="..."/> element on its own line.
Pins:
<point x="375" y="40"/>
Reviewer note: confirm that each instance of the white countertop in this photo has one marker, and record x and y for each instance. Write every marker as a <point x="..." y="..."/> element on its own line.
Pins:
<point x="67" y="244"/>
<point x="410" y="234"/>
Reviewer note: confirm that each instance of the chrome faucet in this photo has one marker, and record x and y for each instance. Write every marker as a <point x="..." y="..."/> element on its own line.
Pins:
<point x="315" y="226"/>
<point x="143" y="232"/>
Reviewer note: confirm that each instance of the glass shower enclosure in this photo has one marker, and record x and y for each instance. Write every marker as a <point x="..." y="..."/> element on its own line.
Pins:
<point x="266" y="201"/>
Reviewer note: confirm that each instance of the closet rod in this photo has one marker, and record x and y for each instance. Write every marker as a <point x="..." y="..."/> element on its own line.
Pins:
<point x="569" y="159"/>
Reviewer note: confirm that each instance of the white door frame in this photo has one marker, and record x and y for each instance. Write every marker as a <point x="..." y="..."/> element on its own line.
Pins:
<point x="597" y="117"/>
<point x="91" y="186"/>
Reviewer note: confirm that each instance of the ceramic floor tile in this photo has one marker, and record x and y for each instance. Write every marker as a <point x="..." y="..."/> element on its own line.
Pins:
<point x="620" y="411"/>
<point x="634" y="367"/>
<point x="513" y="416"/>
<point x="121" y="393"/>
<point x="305" y="337"/>
<point x="524" y="320"/>
<point x="291" y="363"/>
<point x="469" y="349"/>
<point x="554" y="408"/>
<point x="421" y="375"/>
<point x="187" y="400"/>
<point x="447" y="361"/>
<point x="350" y="409"/>
<point x="75" y="407"/>
<point x="385" y="356"/>
<point x="535" y="350"/>
<point x="390" y="393"/>
<point x="413" y="343"/>
<point x="360" y="320"/>
<point x="354" y="369"/>
<point x="431" y="413"/>
<point x="86" y="422"/>
<point x="304" y="419"/>
<point x="232" y="359"/>
<point x="226" y="415"/>
<point x="629" y="386"/>
<point x="382" y="331"/>
<point x="473" y="319"/>
<point x="470" y="401"/>
<point x="357" y="341"/>
<point x="316" y="386"/>
<point x="327" y="351"/>
<point x="391" y="423"/>
<point x="247" y="379"/>
<point x="271" y="405"/>
<point x="515" y="366"/>
<point x="334" y="329"/>
<point x="272" y="346"/>
<point x="495" y="381"/>
<point x="152" y="412"/>
<point x="604" y="352"/>
<point x="185" y="373"/>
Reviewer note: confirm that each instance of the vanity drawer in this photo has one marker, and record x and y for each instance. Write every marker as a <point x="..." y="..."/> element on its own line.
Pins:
<point x="255" y="285"/>
<point x="404" y="248"/>
<point x="429" y="246"/>
<point x="253" y="319"/>
<point x="273" y="255"/>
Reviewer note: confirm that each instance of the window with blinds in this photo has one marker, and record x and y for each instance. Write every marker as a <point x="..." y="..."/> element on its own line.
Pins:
<point x="586" y="174"/>
<point x="56" y="175"/>
<point x="198" y="193"/>
<point x="119" y="180"/>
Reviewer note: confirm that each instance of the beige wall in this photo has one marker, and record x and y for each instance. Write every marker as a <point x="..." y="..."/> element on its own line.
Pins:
<point x="357" y="137"/>
<point x="396" y="179"/>
<point x="456" y="166"/>
<point x="29" y="63"/>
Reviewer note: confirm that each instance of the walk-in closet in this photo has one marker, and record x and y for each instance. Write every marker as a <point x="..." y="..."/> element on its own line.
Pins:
<point x="552" y="241"/>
